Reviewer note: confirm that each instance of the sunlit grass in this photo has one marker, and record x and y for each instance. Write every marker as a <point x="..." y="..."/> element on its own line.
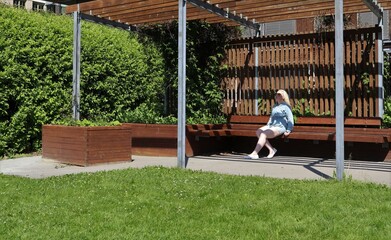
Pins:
<point x="161" y="203"/>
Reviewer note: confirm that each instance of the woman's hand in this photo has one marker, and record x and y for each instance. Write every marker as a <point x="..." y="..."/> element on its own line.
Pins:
<point x="286" y="134"/>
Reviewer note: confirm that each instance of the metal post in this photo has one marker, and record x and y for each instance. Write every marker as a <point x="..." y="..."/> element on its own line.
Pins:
<point x="339" y="88"/>
<point x="182" y="84"/>
<point x="380" y="70"/>
<point x="256" y="79"/>
<point x="76" y="65"/>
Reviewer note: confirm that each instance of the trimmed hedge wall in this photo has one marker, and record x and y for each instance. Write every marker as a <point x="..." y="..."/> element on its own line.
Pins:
<point x="118" y="73"/>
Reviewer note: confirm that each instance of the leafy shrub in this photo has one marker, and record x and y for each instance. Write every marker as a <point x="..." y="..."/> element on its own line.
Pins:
<point x="85" y="122"/>
<point x="387" y="74"/>
<point x="118" y="73"/>
<point x="146" y="113"/>
<point x="387" y="93"/>
<point x="387" y="113"/>
<point x="206" y="44"/>
<point x="205" y="117"/>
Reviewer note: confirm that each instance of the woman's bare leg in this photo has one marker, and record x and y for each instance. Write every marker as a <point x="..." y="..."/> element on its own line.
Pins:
<point x="263" y="135"/>
<point x="268" y="145"/>
<point x="272" y="150"/>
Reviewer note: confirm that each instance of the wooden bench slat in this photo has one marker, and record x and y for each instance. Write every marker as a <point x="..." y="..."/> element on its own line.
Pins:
<point x="348" y="137"/>
<point x="205" y="126"/>
<point x="321" y="136"/>
<point x="371" y="138"/>
<point x="361" y="130"/>
<point x="306" y="128"/>
<point x="248" y="119"/>
<point x="348" y="121"/>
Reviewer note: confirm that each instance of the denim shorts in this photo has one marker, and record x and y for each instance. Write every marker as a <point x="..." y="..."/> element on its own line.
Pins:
<point x="278" y="127"/>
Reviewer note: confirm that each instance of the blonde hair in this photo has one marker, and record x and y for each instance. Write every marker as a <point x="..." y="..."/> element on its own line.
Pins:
<point x="285" y="97"/>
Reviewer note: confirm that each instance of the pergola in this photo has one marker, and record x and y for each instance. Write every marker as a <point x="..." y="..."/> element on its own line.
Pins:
<point x="135" y="12"/>
<point x="250" y="13"/>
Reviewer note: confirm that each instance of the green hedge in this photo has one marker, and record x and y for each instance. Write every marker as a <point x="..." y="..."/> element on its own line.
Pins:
<point x="118" y="73"/>
<point x="387" y="91"/>
<point x="205" y="51"/>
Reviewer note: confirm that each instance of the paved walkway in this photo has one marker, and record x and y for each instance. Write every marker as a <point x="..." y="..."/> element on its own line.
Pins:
<point x="278" y="167"/>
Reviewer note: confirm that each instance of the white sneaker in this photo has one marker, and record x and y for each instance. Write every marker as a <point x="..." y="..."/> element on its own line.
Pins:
<point x="251" y="157"/>
<point x="271" y="155"/>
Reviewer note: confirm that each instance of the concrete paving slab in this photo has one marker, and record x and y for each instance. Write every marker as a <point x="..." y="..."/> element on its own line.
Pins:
<point x="37" y="167"/>
<point x="293" y="167"/>
<point x="278" y="167"/>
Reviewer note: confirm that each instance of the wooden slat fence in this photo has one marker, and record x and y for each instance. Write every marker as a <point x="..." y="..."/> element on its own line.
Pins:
<point x="304" y="65"/>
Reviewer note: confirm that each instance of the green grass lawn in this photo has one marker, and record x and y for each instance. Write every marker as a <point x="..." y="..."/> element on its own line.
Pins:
<point x="162" y="203"/>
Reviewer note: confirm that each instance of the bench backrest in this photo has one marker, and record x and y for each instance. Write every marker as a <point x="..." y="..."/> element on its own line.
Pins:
<point x="308" y="121"/>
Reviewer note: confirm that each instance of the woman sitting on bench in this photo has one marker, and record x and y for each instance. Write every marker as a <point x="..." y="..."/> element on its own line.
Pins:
<point x="280" y="122"/>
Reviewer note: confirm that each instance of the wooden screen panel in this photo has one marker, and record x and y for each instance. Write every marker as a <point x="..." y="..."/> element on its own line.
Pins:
<point x="262" y="66"/>
<point x="372" y="78"/>
<point x="304" y="65"/>
<point x="311" y="77"/>
<point x="326" y="88"/>
<point x="349" y="61"/>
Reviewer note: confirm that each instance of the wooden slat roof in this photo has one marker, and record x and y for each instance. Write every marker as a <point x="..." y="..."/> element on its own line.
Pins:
<point x="156" y="11"/>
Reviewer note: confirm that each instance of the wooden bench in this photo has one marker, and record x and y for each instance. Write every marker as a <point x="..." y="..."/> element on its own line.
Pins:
<point x="364" y="137"/>
<point x="306" y="128"/>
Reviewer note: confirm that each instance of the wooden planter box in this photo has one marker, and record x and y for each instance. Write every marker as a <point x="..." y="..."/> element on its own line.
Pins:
<point x="158" y="140"/>
<point x="86" y="145"/>
<point x="161" y="140"/>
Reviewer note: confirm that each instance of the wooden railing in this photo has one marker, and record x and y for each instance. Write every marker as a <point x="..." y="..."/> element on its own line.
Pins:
<point x="304" y="66"/>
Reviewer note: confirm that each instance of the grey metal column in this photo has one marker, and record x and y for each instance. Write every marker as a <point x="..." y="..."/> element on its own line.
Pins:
<point x="182" y="84"/>
<point x="339" y="88"/>
<point x="256" y="78"/>
<point x="380" y="70"/>
<point x="76" y="65"/>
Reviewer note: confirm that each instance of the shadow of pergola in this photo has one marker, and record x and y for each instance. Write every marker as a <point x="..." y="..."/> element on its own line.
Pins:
<point x="311" y="164"/>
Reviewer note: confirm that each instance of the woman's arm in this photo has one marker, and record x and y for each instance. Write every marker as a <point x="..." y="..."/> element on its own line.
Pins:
<point x="270" y="118"/>
<point x="270" y="121"/>
<point x="291" y="123"/>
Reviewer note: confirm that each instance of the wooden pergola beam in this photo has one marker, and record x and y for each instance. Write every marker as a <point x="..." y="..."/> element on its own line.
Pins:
<point x="103" y="21"/>
<point x="158" y="11"/>
<point x="299" y="13"/>
<point x="242" y="20"/>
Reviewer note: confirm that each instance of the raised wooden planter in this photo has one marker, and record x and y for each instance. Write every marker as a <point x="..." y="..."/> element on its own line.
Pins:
<point x="161" y="140"/>
<point x="153" y="139"/>
<point x="86" y="145"/>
